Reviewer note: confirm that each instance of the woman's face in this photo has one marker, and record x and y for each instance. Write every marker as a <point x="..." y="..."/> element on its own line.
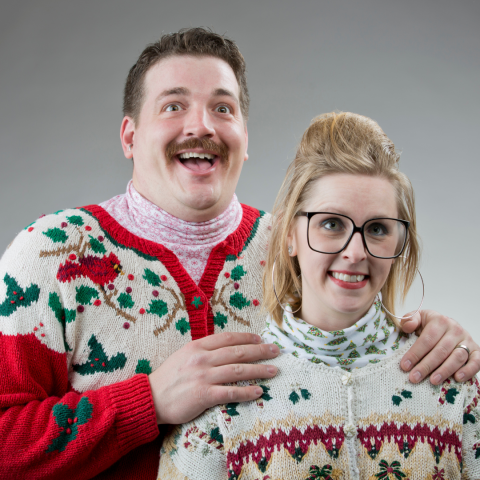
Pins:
<point x="328" y="301"/>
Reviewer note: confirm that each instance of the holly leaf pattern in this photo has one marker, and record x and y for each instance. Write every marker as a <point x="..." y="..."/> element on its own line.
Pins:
<point x="69" y="420"/>
<point x="143" y="366"/>
<point x="294" y="398"/>
<point x="56" y="235"/>
<point x="125" y="300"/>
<point x="182" y="326"/>
<point x="96" y="245"/>
<point x="152" y="278"/>
<point x="158" y="307"/>
<point x="63" y="315"/>
<point x="85" y="295"/>
<point x="237" y="273"/>
<point x="76" y="220"/>
<point x="17" y="297"/>
<point x="237" y="300"/>
<point x="220" y="320"/>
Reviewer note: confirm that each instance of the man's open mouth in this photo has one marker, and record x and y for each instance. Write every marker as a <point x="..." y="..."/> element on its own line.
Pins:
<point x="196" y="161"/>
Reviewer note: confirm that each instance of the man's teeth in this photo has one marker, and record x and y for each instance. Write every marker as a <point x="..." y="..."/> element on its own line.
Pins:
<point x="348" y="278"/>
<point x="208" y="156"/>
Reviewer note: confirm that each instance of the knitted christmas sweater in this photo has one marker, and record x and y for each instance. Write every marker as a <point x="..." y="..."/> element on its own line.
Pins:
<point x="318" y="422"/>
<point x="87" y="311"/>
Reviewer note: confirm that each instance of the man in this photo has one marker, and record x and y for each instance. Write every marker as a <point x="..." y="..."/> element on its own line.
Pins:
<point x="101" y="304"/>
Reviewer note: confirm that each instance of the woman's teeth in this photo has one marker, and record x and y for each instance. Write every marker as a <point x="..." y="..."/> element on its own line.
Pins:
<point x="348" y="278"/>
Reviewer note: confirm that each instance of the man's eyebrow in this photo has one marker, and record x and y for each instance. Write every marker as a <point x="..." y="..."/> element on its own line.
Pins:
<point x="223" y="92"/>
<point x="174" y="91"/>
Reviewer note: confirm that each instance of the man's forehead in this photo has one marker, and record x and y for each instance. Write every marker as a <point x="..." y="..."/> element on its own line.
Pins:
<point x="186" y="75"/>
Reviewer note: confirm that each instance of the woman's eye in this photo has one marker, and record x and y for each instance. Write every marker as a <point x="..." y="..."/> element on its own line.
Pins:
<point x="173" y="108"/>
<point x="377" y="229"/>
<point x="223" y="109"/>
<point x="332" y="225"/>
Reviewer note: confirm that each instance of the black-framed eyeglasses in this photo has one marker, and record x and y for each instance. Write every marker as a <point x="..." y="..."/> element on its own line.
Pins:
<point x="330" y="233"/>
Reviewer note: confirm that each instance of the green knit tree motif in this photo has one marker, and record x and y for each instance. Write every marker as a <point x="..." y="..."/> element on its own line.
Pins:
<point x="98" y="360"/>
<point x="370" y="338"/>
<point x="220" y="320"/>
<point x="373" y="350"/>
<point x="143" y="366"/>
<point x="63" y="315"/>
<point x="237" y="300"/>
<point x="152" y="278"/>
<point x="316" y="332"/>
<point x="265" y="396"/>
<point x="17" y="297"/>
<point x="238" y="272"/>
<point x="354" y="354"/>
<point x="57" y="235"/>
<point x="158" y="307"/>
<point x="216" y="435"/>
<point x="351" y="346"/>
<point x="451" y="394"/>
<point x="76" y="220"/>
<point x="337" y="341"/>
<point x="183" y="326"/>
<point x="69" y="420"/>
<point x="298" y="455"/>
<point x="231" y="409"/>
<point x="125" y="300"/>
<point x="263" y="464"/>
<point x="85" y="294"/>
<point x="96" y="245"/>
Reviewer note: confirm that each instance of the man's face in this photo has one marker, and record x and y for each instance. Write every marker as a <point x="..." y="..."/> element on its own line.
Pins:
<point x="190" y="141"/>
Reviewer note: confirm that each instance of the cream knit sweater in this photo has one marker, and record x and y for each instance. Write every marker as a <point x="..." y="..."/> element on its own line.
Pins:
<point x="317" y="422"/>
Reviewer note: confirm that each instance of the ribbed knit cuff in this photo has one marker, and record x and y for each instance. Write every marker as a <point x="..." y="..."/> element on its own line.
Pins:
<point x="135" y="413"/>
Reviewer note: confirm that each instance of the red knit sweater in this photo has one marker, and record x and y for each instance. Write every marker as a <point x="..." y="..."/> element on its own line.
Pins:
<point x="87" y="310"/>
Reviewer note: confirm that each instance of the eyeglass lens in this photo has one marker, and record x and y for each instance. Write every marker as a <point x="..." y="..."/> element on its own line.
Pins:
<point x="330" y="233"/>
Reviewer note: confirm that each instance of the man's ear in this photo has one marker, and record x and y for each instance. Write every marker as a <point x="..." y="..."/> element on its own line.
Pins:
<point x="127" y="135"/>
<point x="246" y="144"/>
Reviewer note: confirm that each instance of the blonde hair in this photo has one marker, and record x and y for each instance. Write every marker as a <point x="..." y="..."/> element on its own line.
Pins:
<point x="337" y="143"/>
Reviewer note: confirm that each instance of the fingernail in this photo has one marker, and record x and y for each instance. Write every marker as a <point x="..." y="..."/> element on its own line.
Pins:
<point x="437" y="378"/>
<point x="274" y="349"/>
<point x="417" y="376"/>
<point x="460" y="376"/>
<point x="258" y="391"/>
<point x="407" y="364"/>
<point x="271" y="370"/>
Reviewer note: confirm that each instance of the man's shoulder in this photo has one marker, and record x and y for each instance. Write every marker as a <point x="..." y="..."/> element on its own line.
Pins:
<point x="51" y="231"/>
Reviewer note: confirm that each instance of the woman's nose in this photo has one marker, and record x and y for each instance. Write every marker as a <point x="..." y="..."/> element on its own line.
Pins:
<point x="355" y="251"/>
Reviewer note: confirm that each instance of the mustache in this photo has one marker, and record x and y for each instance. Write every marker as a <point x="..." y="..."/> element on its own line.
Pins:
<point x="219" y="149"/>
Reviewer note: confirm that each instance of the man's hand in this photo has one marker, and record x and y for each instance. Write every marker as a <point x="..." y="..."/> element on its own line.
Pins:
<point x="434" y="353"/>
<point x="192" y="379"/>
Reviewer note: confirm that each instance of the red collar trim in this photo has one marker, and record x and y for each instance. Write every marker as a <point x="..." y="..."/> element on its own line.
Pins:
<point x="200" y="314"/>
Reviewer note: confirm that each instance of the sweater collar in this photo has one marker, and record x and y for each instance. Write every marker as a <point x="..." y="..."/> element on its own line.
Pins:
<point x="373" y="338"/>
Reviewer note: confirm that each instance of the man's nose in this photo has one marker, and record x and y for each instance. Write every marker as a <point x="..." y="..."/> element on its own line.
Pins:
<point x="198" y="123"/>
<point x="355" y="251"/>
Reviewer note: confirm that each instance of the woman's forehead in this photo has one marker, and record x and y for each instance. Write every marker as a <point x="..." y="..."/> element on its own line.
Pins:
<point x="353" y="195"/>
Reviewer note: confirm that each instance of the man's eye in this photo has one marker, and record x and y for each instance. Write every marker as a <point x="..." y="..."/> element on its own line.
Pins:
<point x="223" y="109"/>
<point x="173" y="108"/>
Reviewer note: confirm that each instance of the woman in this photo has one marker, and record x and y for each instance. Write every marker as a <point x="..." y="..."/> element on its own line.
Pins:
<point x="344" y="242"/>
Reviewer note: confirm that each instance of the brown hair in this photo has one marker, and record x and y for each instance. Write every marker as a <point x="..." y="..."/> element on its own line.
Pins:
<point x="337" y="143"/>
<point x="192" y="41"/>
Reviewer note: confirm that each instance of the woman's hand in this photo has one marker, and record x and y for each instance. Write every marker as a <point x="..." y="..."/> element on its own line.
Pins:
<point x="434" y="352"/>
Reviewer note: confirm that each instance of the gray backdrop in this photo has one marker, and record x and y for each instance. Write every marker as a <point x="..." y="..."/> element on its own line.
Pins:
<point x="412" y="65"/>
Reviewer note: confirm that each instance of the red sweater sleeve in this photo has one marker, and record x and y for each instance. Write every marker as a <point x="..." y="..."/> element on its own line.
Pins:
<point x="47" y="430"/>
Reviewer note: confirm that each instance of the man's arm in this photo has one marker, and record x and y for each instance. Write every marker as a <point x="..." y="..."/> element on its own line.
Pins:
<point x="434" y="353"/>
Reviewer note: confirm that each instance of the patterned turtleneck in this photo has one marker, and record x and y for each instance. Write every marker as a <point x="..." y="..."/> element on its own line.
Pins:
<point x="191" y="242"/>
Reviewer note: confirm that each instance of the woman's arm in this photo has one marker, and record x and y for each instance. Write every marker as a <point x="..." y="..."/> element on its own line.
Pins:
<point x="434" y="353"/>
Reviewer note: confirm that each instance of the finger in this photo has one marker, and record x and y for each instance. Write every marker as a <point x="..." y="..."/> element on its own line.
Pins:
<point x="240" y="372"/>
<point x="469" y="370"/>
<point x="220" y="394"/>
<point x="430" y="336"/>
<point x="243" y="354"/>
<point x="439" y="354"/>
<point x="409" y="325"/>
<point x="225" y="339"/>
<point x="455" y="361"/>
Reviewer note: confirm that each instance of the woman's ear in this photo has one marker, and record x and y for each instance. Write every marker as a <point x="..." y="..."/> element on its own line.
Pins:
<point x="292" y="243"/>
